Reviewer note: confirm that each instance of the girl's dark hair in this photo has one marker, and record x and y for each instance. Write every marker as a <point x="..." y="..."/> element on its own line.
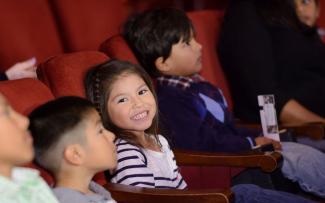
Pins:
<point x="98" y="85"/>
<point x="281" y="13"/>
<point x="152" y="34"/>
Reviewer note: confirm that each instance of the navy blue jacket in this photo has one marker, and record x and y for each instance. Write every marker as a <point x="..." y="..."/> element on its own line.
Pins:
<point x="192" y="126"/>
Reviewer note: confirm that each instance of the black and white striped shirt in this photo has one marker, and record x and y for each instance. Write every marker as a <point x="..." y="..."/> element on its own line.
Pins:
<point x="146" y="168"/>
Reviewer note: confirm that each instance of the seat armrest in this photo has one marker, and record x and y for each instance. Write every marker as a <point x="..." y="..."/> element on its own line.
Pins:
<point x="313" y="130"/>
<point x="129" y="194"/>
<point x="267" y="161"/>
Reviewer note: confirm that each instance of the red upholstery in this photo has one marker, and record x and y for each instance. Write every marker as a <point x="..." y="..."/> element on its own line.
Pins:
<point x="321" y="19"/>
<point x="64" y="73"/>
<point x="207" y="25"/>
<point x="27" y="29"/>
<point x="86" y="23"/>
<point x="25" y="94"/>
<point x="116" y="47"/>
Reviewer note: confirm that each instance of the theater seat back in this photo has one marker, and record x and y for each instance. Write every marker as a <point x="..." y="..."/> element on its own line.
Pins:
<point x="85" y="24"/>
<point x="28" y="29"/>
<point x="64" y="74"/>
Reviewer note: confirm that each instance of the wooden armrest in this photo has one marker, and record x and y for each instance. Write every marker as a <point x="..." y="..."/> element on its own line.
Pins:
<point x="313" y="130"/>
<point x="129" y="194"/>
<point x="267" y="161"/>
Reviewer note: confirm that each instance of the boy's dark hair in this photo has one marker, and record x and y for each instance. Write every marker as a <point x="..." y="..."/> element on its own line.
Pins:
<point x="51" y="125"/>
<point x="98" y="85"/>
<point x="152" y="34"/>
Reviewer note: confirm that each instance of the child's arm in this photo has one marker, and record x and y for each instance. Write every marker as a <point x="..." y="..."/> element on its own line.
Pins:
<point x="132" y="167"/>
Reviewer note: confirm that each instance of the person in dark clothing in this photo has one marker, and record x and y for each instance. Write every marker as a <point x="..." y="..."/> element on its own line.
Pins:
<point x="265" y="49"/>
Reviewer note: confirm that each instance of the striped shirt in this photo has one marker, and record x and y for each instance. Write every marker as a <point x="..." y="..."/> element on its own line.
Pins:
<point x="146" y="168"/>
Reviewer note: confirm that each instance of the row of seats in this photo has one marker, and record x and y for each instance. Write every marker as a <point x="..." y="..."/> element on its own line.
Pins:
<point x="44" y="28"/>
<point x="63" y="75"/>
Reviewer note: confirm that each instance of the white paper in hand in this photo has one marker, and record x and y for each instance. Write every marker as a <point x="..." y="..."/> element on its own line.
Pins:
<point x="268" y="117"/>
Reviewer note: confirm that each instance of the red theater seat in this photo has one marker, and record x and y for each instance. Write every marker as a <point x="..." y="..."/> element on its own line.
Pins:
<point x="27" y="29"/>
<point x="321" y="19"/>
<point x="86" y="23"/>
<point x="25" y="94"/>
<point x="116" y="47"/>
<point x="64" y="73"/>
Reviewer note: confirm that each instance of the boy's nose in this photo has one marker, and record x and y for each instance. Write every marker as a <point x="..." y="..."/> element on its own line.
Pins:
<point x="198" y="45"/>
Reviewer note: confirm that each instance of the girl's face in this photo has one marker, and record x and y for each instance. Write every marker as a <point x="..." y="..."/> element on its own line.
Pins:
<point x="15" y="141"/>
<point x="131" y="104"/>
<point x="307" y="11"/>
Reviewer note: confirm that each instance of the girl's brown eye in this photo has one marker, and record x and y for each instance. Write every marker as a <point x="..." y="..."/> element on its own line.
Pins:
<point x="141" y="92"/>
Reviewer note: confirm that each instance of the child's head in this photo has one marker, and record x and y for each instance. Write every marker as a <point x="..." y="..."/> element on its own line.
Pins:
<point x="164" y="42"/>
<point x="68" y="134"/>
<point x="15" y="141"/>
<point x="307" y="11"/>
<point x="124" y="95"/>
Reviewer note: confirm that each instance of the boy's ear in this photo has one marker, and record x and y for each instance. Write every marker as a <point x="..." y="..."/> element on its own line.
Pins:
<point x="74" y="154"/>
<point x="162" y="65"/>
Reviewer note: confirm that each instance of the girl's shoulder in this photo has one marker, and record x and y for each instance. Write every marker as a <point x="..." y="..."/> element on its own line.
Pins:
<point x="124" y="149"/>
<point x="163" y="141"/>
<point x="123" y="144"/>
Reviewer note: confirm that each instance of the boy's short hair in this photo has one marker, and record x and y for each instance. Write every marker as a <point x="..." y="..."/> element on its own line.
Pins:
<point x="56" y="124"/>
<point x="152" y="34"/>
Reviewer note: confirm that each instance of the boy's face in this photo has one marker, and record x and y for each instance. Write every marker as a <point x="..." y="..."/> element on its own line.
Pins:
<point x="184" y="60"/>
<point x="100" y="150"/>
<point x="131" y="104"/>
<point x="16" y="146"/>
<point x="307" y="11"/>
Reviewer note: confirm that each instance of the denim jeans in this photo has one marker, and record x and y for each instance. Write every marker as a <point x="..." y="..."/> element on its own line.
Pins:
<point x="248" y="193"/>
<point x="305" y="165"/>
<point x="318" y="144"/>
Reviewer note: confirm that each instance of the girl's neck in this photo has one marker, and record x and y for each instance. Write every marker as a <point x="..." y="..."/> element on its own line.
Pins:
<point x="147" y="141"/>
<point x="150" y="143"/>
